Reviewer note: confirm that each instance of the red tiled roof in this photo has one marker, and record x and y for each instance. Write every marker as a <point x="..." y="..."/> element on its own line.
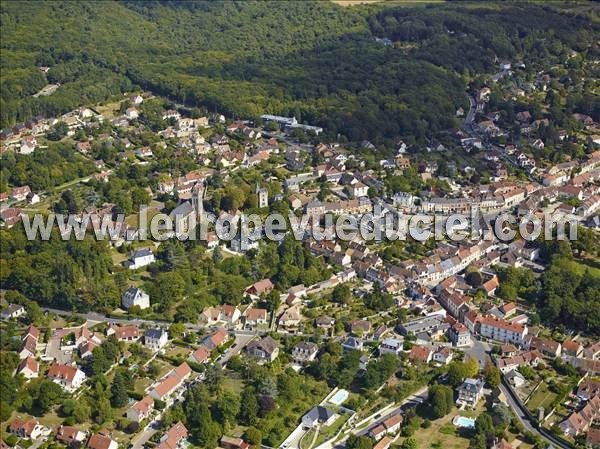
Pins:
<point x="59" y="371"/>
<point x="99" y="441"/>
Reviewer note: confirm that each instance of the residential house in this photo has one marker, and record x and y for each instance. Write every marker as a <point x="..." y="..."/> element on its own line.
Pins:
<point x="384" y="443"/>
<point x="579" y="422"/>
<point x="352" y="344"/>
<point x="155" y="339"/>
<point x="140" y="258"/>
<point x="68" y="377"/>
<point x="30" y="428"/>
<point x="546" y="346"/>
<point x="29" y="368"/>
<point x="469" y="392"/>
<point x="360" y="327"/>
<point x="587" y="389"/>
<point x="265" y="349"/>
<point x="291" y="317"/>
<point x="128" y="333"/>
<point x="572" y="348"/>
<point x="420" y="354"/>
<point x="319" y="415"/>
<point x="443" y="355"/>
<point x="501" y="330"/>
<point x="459" y="335"/>
<point x="216" y="339"/>
<point x="230" y="314"/>
<point x="233" y="443"/>
<point x="390" y="346"/>
<point x="171" y="382"/>
<point x="141" y="410"/>
<point x="259" y="288"/>
<point x="102" y="440"/>
<point x="324" y="322"/>
<point x="134" y="296"/>
<point x="304" y="352"/>
<point x="70" y="436"/>
<point x="200" y="355"/>
<point x="13" y="311"/>
<point x="255" y="316"/>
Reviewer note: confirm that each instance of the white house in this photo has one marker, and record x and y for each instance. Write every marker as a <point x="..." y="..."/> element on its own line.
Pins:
<point x="318" y="415"/>
<point x="140" y="258"/>
<point x="132" y="113"/>
<point x="141" y="409"/>
<point x="443" y="355"/>
<point x="29" y="367"/>
<point x="470" y="392"/>
<point x="26" y="429"/>
<point x="136" y="99"/>
<point x="13" y="311"/>
<point x="305" y="352"/>
<point x="390" y="346"/>
<point x="67" y="376"/>
<point x="155" y="339"/>
<point x="135" y="297"/>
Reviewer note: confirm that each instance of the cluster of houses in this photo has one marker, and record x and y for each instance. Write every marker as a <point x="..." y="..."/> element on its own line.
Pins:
<point x="174" y="438"/>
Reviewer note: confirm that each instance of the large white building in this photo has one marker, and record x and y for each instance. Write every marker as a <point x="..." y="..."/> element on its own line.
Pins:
<point x="501" y="330"/>
<point x="140" y="258"/>
<point x="135" y="297"/>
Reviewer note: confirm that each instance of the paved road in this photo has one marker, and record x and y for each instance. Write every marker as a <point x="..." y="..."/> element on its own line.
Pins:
<point x="95" y="317"/>
<point x="478" y="350"/>
<point x="142" y="438"/>
<point x="416" y="398"/>
<point x="241" y="340"/>
<point x="515" y="405"/>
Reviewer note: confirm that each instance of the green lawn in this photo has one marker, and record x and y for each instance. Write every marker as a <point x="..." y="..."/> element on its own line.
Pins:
<point x="326" y="433"/>
<point x="442" y="431"/>
<point x="542" y="397"/>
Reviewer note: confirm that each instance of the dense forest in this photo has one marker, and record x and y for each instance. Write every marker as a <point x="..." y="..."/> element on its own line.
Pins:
<point x="315" y="60"/>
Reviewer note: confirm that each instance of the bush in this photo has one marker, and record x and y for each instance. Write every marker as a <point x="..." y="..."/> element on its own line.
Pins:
<point x="11" y="440"/>
<point x="135" y="395"/>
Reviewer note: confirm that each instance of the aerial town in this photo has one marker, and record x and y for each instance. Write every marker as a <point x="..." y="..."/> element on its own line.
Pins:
<point x="135" y="342"/>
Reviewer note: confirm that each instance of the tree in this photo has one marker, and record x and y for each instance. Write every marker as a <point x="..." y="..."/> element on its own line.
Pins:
<point x="249" y="412"/>
<point x="441" y="400"/>
<point x="253" y="436"/>
<point x="48" y="395"/>
<point x="214" y="377"/>
<point x="359" y="442"/>
<point x="341" y="294"/>
<point x="226" y="407"/>
<point x="457" y="372"/>
<point x="474" y="279"/>
<point x="176" y="330"/>
<point x="409" y="443"/>
<point x="118" y="391"/>
<point x="491" y="375"/>
<point x="471" y="367"/>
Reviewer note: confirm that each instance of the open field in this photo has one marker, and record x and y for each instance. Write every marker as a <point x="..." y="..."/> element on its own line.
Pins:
<point x="542" y="397"/>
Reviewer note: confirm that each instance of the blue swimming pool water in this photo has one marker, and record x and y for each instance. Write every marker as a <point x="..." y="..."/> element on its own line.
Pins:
<point x="339" y="397"/>
<point x="463" y="421"/>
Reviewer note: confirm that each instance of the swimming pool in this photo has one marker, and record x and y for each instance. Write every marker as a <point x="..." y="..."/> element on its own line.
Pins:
<point x="463" y="421"/>
<point x="339" y="397"/>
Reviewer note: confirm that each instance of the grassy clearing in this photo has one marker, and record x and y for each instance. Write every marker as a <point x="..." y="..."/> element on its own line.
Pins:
<point x="542" y="397"/>
<point x="329" y="432"/>
<point x="442" y="431"/>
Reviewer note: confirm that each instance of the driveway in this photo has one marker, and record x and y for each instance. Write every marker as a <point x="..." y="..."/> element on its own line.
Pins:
<point x="241" y="340"/>
<point x="479" y="351"/>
